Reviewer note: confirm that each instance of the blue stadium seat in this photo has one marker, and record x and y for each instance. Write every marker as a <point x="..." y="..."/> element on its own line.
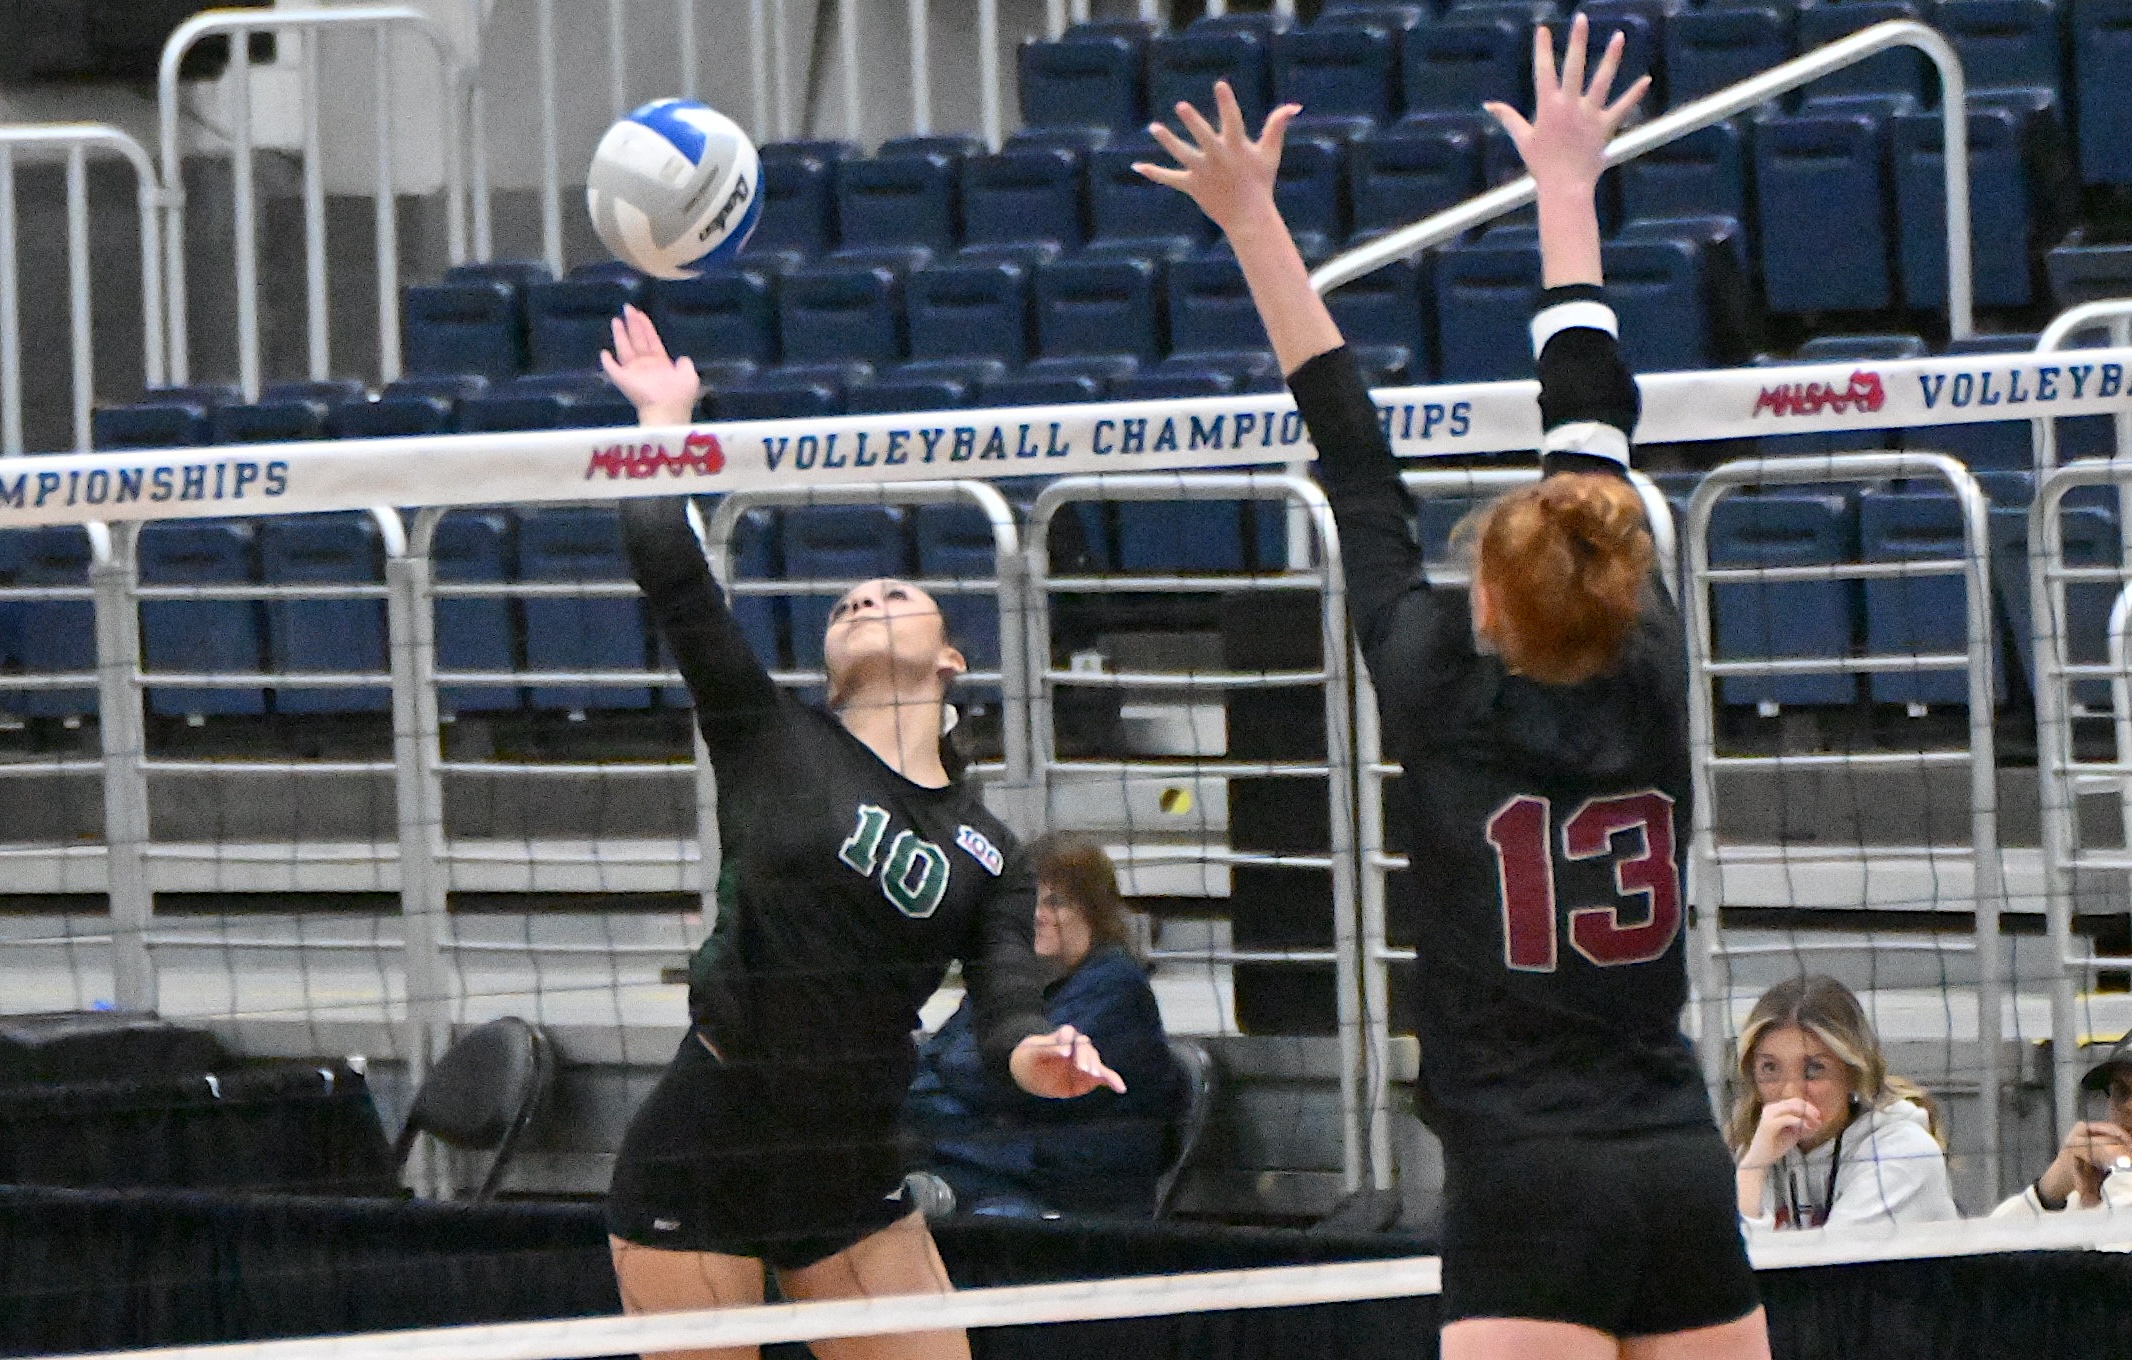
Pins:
<point x="1812" y="169"/>
<point x="1385" y="315"/>
<point x="1719" y="45"/>
<point x="1703" y="174"/>
<point x="924" y="385"/>
<point x="271" y="420"/>
<point x="56" y="635"/>
<point x="1024" y="195"/>
<point x="1311" y="192"/>
<point x="1100" y="306"/>
<point x="1784" y="619"/>
<point x="1175" y="379"/>
<point x="1642" y="24"/>
<point x="475" y="327"/>
<point x="1898" y="71"/>
<point x="1182" y="68"/>
<point x="151" y="424"/>
<point x="410" y="406"/>
<point x="1210" y="308"/>
<point x="557" y="401"/>
<point x="1462" y="60"/>
<point x="969" y="310"/>
<point x="761" y="618"/>
<point x="580" y="543"/>
<point x="955" y="543"/>
<point x="2102" y="53"/>
<point x="832" y="312"/>
<point x="844" y="543"/>
<point x="324" y="635"/>
<point x="2092" y="538"/>
<point x="475" y="633"/>
<point x="2002" y="215"/>
<point x="1485" y="292"/>
<point x="1086" y="79"/>
<point x="509" y="273"/>
<point x="1129" y="211"/>
<point x="1041" y="386"/>
<point x="1986" y="446"/>
<point x="719" y="314"/>
<point x="1408" y="171"/>
<point x="1917" y="615"/>
<point x="1180" y="536"/>
<point x="200" y="637"/>
<point x="792" y="392"/>
<point x="799" y="218"/>
<point x="2005" y="44"/>
<point x="1344" y="65"/>
<point x="570" y="321"/>
<point x="899" y="201"/>
<point x="1679" y="295"/>
<point x="330" y="391"/>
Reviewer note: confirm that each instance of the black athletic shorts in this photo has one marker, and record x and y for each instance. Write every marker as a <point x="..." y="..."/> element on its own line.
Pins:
<point x="753" y="1161"/>
<point x="1632" y="1234"/>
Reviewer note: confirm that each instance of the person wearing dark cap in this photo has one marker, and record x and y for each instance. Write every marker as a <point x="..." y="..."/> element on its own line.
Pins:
<point x="2093" y="1167"/>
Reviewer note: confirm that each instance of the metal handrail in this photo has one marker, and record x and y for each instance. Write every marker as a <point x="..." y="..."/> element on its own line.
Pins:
<point x="2111" y="314"/>
<point x="1704" y="862"/>
<point x="76" y="139"/>
<point x="1715" y="108"/>
<point x="458" y="78"/>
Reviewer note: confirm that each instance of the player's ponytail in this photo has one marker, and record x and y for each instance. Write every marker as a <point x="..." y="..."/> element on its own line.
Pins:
<point x="1566" y="562"/>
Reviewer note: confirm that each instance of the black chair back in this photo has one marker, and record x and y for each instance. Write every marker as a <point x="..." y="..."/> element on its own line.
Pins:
<point x="1202" y="1083"/>
<point x="482" y="1094"/>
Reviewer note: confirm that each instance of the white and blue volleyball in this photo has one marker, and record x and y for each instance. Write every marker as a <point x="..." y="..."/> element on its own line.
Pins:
<point x="674" y="188"/>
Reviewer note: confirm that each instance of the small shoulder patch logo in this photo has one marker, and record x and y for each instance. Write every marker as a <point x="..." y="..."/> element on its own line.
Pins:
<point x="981" y="850"/>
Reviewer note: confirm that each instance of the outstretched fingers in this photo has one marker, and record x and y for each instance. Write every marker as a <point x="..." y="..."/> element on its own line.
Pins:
<point x="1274" y="134"/>
<point x="644" y="334"/>
<point x="1609" y="67"/>
<point x="1513" y="122"/>
<point x="1619" y="110"/>
<point x="1573" y="55"/>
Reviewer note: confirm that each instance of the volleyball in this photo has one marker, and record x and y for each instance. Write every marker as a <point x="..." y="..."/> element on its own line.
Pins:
<point x="674" y="187"/>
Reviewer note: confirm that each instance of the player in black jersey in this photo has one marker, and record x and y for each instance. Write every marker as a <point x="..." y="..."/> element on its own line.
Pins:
<point x="1540" y="720"/>
<point x="853" y="870"/>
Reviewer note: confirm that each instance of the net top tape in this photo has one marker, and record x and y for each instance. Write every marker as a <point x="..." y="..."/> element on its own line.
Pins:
<point x="1093" y="1300"/>
<point x="1047" y="441"/>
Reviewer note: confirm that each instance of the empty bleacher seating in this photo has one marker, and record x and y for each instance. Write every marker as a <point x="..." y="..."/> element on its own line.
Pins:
<point x="1346" y="65"/>
<point x="799" y="213"/>
<point x="200" y="637"/>
<point x="719" y="314"/>
<point x="56" y="636"/>
<point x="475" y="633"/>
<point x="324" y="635"/>
<point x="1895" y="72"/>
<point x="830" y="313"/>
<point x="1127" y="210"/>
<point x="1921" y="614"/>
<point x="1408" y="171"/>
<point x="1812" y="169"/>
<point x="1104" y="305"/>
<point x="1386" y="315"/>
<point x="410" y="406"/>
<point x="474" y="326"/>
<point x="1025" y="195"/>
<point x="1485" y="291"/>
<point x="1182" y="67"/>
<point x="1088" y="78"/>
<point x="2003" y="214"/>
<point x="1787" y="619"/>
<point x="569" y="321"/>
<point x="969" y="309"/>
<point x="2102" y="53"/>
<point x="1714" y="46"/>
<point x="901" y="201"/>
<point x="1463" y="59"/>
<point x="2005" y="44"/>
<point x="579" y="633"/>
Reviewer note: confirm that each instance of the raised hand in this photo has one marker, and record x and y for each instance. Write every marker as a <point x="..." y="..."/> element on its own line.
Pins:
<point x="1061" y="1065"/>
<point x="2091" y="1152"/>
<point x="1564" y="143"/>
<point x="663" y="390"/>
<point x="1227" y="173"/>
<point x="1784" y="1124"/>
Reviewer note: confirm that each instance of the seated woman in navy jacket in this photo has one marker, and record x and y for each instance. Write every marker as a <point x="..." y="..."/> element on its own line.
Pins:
<point x="1003" y="1152"/>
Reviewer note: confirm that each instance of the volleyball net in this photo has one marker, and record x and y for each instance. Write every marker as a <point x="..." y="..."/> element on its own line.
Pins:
<point x="326" y="778"/>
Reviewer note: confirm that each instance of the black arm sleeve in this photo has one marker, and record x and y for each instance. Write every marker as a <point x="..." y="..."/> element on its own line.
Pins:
<point x="1589" y="401"/>
<point x="733" y="694"/>
<point x="1375" y="515"/>
<point x="1004" y="976"/>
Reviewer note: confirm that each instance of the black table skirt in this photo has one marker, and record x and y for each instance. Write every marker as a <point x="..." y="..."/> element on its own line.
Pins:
<point x="88" y="1270"/>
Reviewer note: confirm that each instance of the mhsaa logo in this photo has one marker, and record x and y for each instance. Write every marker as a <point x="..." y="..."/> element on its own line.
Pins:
<point x="1810" y="399"/>
<point x="699" y="454"/>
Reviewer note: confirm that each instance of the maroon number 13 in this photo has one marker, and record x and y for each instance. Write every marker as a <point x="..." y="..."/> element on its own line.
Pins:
<point x="1520" y="831"/>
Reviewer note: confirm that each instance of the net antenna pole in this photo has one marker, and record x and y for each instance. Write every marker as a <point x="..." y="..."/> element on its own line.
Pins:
<point x="1715" y="108"/>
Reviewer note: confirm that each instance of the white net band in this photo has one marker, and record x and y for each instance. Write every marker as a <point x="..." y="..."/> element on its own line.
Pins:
<point x="1049" y="441"/>
<point x="1102" y="1300"/>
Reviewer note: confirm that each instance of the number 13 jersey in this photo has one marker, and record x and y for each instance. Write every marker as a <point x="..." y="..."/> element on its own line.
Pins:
<point x="844" y="889"/>
<point x="1546" y="824"/>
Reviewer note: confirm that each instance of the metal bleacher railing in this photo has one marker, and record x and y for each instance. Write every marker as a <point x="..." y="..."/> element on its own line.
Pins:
<point x="1920" y="877"/>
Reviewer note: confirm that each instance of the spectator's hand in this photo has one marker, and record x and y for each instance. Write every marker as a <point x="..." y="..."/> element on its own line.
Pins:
<point x="663" y="390"/>
<point x="1061" y="1065"/>
<point x="2090" y="1152"/>
<point x="1564" y="144"/>
<point x="1784" y="1123"/>
<point x="1228" y="174"/>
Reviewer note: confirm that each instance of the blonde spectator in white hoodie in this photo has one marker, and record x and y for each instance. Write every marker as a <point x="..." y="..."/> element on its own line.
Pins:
<point x="2093" y="1168"/>
<point x="1823" y="1135"/>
